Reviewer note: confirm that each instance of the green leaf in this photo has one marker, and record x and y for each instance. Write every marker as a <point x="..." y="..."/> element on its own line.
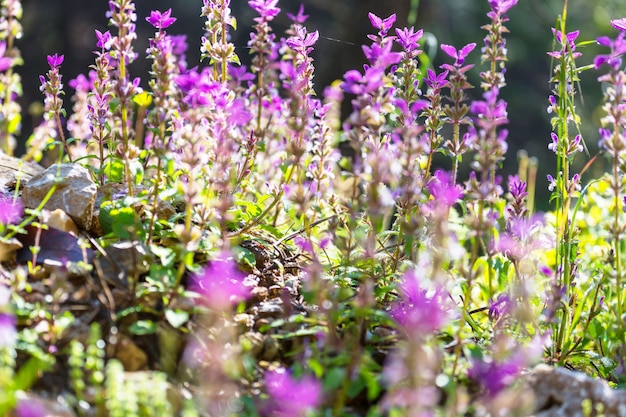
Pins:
<point x="176" y="318"/>
<point x="29" y="372"/>
<point x="114" y="170"/>
<point x="143" y="327"/>
<point x="136" y="170"/>
<point x="334" y="379"/>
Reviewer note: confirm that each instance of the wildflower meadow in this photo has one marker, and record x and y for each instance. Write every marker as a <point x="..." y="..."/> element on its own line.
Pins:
<point x="218" y="239"/>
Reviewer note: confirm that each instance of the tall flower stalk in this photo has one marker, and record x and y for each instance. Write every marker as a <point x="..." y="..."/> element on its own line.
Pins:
<point x="10" y="31"/>
<point x="613" y="140"/>
<point x="122" y="16"/>
<point x="164" y="97"/>
<point x="456" y="111"/>
<point x="53" y="89"/>
<point x="564" y="186"/>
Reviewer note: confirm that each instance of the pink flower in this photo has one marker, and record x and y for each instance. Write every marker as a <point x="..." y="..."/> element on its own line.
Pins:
<point x="8" y="331"/>
<point x="55" y="60"/>
<point x="291" y="397"/>
<point x="10" y="211"/>
<point x="418" y="311"/>
<point x="104" y="39"/>
<point x="161" y="20"/>
<point x="458" y="55"/>
<point x="619" y="24"/>
<point x="383" y="25"/>
<point x="5" y="61"/>
<point x="221" y="283"/>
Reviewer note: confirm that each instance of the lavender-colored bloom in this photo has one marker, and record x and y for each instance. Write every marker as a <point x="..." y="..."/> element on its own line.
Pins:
<point x="104" y="39"/>
<point x="55" y="60"/>
<point x="501" y="6"/>
<point x="30" y="408"/>
<point x="458" y="55"/>
<point x="381" y="56"/>
<point x="619" y="24"/>
<point x="10" y="211"/>
<point x="383" y="25"/>
<point x="443" y="191"/>
<point x="161" y="20"/>
<point x="614" y="58"/>
<point x="500" y="307"/>
<point x="495" y="376"/>
<point x="302" y="42"/>
<point x="435" y="81"/>
<point x="408" y="38"/>
<point x="551" y="182"/>
<point x="8" y="331"/>
<point x="291" y="397"/>
<point x="561" y="38"/>
<point x="300" y="18"/>
<point x="265" y="8"/>
<point x="5" y="61"/>
<point x="221" y="283"/>
<point x="418" y="311"/>
<point x="517" y="187"/>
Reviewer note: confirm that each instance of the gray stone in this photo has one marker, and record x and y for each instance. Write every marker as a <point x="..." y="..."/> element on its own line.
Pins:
<point x="75" y="192"/>
<point x="560" y="393"/>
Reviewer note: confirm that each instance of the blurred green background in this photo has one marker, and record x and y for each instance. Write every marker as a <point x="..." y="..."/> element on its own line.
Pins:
<point x="67" y="27"/>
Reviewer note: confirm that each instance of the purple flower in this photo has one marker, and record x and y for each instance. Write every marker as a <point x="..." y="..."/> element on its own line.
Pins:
<point x="435" y="81"/>
<point x="8" y="332"/>
<point x="619" y="24"/>
<point x="418" y="311"/>
<point x="443" y="191"/>
<point x="614" y="58"/>
<point x="501" y="6"/>
<point x="10" y="211"/>
<point x="291" y="397"/>
<point x="265" y="8"/>
<point x="161" y="20"/>
<point x="300" y="18"/>
<point x="383" y="25"/>
<point x="104" y="39"/>
<point x="561" y="38"/>
<point x="221" y="283"/>
<point x="458" y="55"/>
<point x="5" y="61"/>
<point x="551" y="182"/>
<point x="408" y="38"/>
<point x="55" y="60"/>
<point x="30" y="408"/>
<point x="381" y="56"/>
<point x="517" y="187"/>
<point x="495" y="376"/>
<point x="302" y="42"/>
<point x="500" y="307"/>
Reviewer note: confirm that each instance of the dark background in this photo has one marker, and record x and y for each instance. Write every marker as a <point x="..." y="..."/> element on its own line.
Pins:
<point x="67" y="27"/>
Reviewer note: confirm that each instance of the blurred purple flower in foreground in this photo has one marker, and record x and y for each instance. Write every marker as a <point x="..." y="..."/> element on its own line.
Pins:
<point x="8" y="331"/>
<point x="30" y="408"/>
<point x="619" y="24"/>
<point x="291" y="397"/>
<point x="10" y="211"/>
<point x="419" y="312"/>
<point x="221" y="283"/>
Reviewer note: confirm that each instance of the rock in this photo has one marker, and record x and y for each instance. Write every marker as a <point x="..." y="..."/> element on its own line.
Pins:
<point x="14" y="169"/>
<point x="60" y="221"/>
<point x="560" y="393"/>
<point x="75" y="192"/>
<point x="8" y="249"/>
